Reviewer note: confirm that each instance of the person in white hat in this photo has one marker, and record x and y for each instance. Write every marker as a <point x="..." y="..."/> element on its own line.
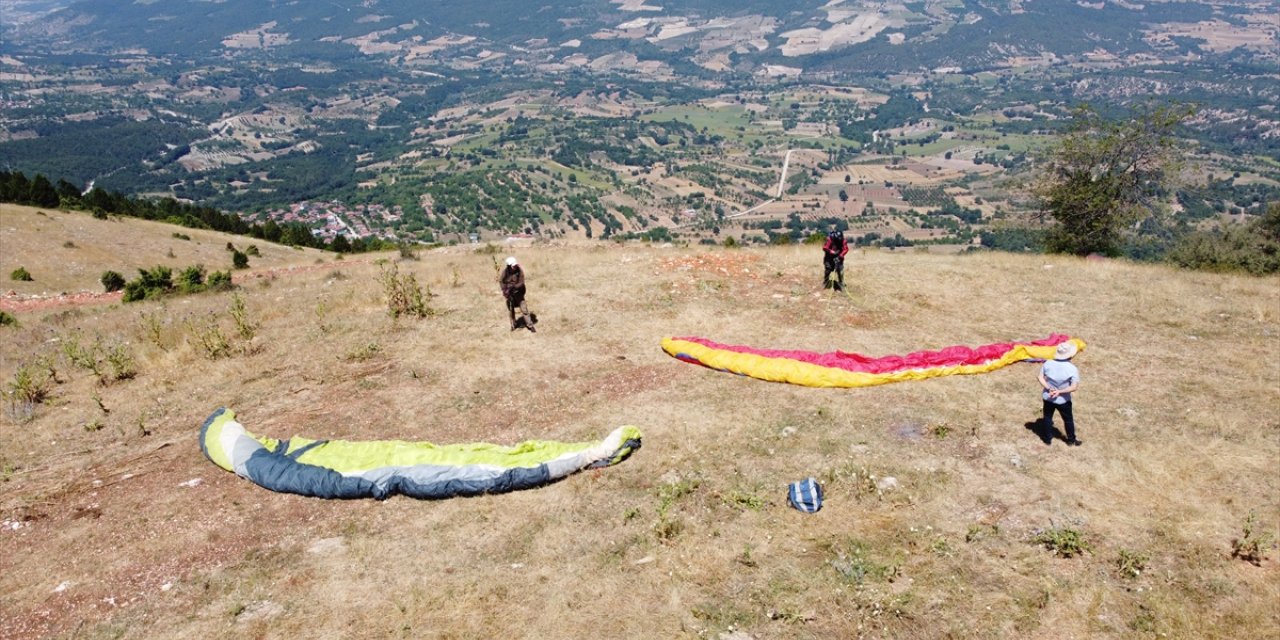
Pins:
<point x="1058" y="379"/>
<point x="512" y="282"/>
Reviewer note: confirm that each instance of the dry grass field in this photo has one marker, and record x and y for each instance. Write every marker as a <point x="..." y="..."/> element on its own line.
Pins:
<point x="67" y="252"/>
<point x="114" y="525"/>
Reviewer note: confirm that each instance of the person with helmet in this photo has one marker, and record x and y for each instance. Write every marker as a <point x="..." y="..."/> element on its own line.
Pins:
<point x="833" y="252"/>
<point x="512" y="282"/>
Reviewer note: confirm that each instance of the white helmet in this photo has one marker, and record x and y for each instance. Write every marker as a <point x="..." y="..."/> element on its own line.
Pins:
<point x="511" y="261"/>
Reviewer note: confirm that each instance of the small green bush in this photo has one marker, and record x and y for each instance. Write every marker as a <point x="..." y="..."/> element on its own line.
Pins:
<point x="1252" y="546"/>
<point x="239" y="260"/>
<point x="1062" y="541"/>
<point x="31" y="384"/>
<point x="151" y="283"/>
<point x="404" y="295"/>
<point x="209" y="338"/>
<point x="191" y="279"/>
<point x="252" y="250"/>
<point x="123" y="367"/>
<point x="219" y="281"/>
<point x="112" y="281"/>
<point x="21" y="275"/>
<point x="7" y="320"/>
<point x="1131" y="564"/>
<point x="246" y="328"/>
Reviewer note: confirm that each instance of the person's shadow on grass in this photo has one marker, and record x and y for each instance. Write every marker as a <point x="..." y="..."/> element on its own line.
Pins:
<point x="1046" y="435"/>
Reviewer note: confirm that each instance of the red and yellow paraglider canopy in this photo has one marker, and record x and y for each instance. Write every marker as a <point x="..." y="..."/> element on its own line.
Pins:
<point x="841" y="369"/>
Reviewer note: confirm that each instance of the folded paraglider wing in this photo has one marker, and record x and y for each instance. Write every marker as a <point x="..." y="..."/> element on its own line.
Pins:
<point x="383" y="468"/>
<point x="841" y="369"/>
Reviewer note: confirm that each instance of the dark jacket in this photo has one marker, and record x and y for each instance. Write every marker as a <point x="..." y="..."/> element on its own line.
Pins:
<point x="512" y="280"/>
<point x="836" y="247"/>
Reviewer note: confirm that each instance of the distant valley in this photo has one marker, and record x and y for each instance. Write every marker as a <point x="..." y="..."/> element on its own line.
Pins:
<point x="911" y="124"/>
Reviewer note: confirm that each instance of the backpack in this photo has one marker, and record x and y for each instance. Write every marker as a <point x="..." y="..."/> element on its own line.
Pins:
<point x="805" y="495"/>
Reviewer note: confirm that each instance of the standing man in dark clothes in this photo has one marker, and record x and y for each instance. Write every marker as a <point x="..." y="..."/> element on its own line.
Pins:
<point x="512" y="282"/>
<point x="833" y="252"/>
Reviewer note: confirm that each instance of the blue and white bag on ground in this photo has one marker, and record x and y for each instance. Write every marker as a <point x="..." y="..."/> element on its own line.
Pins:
<point x="805" y="495"/>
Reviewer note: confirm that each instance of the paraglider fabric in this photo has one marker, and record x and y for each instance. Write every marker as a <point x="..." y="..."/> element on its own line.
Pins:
<point x="841" y="369"/>
<point x="381" y="469"/>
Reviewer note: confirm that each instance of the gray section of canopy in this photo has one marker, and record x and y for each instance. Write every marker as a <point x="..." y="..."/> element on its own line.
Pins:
<point x="282" y="472"/>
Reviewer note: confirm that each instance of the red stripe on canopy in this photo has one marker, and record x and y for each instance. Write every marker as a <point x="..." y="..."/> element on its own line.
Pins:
<point x="950" y="356"/>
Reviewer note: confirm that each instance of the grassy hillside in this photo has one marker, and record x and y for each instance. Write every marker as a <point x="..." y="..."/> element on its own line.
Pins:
<point x="66" y="252"/>
<point x="114" y="524"/>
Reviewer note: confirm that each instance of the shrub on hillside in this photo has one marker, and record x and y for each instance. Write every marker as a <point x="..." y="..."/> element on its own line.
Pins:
<point x="1013" y="239"/>
<point x="218" y="281"/>
<point x="21" y="275"/>
<point x="7" y="320"/>
<point x="31" y="385"/>
<point x="252" y="250"/>
<point x="404" y="295"/>
<point x="1063" y="541"/>
<point x="1253" y="545"/>
<point x="159" y="281"/>
<point x="239" y="260"/>
<point x="191" y="279"/>
<point x="112" y="281"/>
<point x="407" y="251"/>
<point x="1252" y="248"/>
<point x="151" y="283"/>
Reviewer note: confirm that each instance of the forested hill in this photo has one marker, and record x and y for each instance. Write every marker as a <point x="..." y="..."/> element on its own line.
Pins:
<point x="439" y="121"/>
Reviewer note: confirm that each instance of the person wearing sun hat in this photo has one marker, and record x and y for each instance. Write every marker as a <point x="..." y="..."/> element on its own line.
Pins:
<point x="1058" y="380"/>
<point x="512" y="282"/>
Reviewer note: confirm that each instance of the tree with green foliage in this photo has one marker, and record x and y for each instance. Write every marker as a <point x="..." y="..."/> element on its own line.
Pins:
<point x="42" y="192"/>
<point x="1106" y="175"/>
<point x="1252" y="248"/>
<point x="112" y="281"/>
